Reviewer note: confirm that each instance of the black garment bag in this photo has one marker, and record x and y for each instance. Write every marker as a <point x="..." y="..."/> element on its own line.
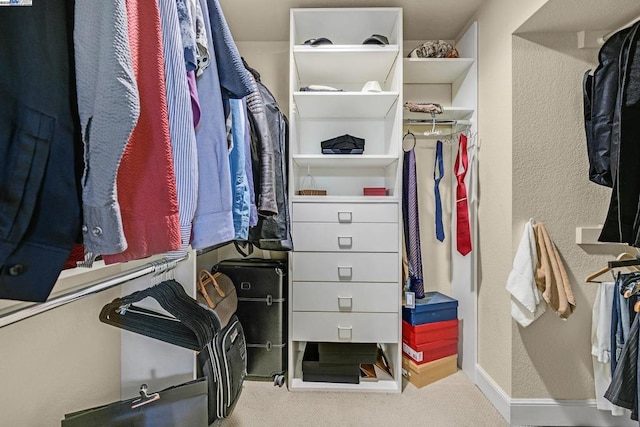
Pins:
<point x="222" y="351"/>
<point x="623" y="220"/>
<point x="181" y="405"/>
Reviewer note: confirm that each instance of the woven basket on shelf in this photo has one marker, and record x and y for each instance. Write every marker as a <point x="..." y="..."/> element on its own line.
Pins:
<point x="312" y="190"/>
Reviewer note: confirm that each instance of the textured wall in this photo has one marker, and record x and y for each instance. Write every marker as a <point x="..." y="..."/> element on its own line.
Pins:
<point x="497" y="20"/>
<point x="271" y="60"/>
<point x="58" y="362"/>
<point x="551" y="358"/>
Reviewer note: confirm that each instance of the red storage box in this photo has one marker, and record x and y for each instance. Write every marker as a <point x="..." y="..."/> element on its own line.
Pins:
<point x="374" y="191"/>
<point x="429" y="332"/>
<point x="423" y="353"/>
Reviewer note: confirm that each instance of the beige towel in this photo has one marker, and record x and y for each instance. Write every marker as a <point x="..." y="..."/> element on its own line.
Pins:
<point x="551" y="276"/>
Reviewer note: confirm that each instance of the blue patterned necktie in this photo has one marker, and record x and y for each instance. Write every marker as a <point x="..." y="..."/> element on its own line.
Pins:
<point x="438" y="168"/>
<point x="411" y="225"/>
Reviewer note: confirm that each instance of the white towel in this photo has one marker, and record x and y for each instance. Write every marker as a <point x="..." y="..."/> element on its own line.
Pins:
<point x="526" y="301"/>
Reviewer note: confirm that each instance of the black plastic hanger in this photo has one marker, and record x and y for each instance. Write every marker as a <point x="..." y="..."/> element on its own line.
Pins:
<point x="189" y="325"/>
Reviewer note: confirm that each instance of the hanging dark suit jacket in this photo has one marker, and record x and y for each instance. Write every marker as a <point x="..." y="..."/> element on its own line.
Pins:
<point x="267" y="121"/>
<point x="40" y="211"/>
<point x="623" y="220"/>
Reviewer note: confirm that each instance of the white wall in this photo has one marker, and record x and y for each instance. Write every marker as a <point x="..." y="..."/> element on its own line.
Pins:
<point x="57" y="362"/>
<point x="497" y="20"/>
<point x="550" y="184"/>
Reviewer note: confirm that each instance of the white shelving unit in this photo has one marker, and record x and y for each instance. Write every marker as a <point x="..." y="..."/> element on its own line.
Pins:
<point x="345" y="270"/>
<point x="453" y="83"/>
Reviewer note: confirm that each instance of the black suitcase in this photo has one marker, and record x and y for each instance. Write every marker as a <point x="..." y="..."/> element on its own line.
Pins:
<point x="261" y="286"/>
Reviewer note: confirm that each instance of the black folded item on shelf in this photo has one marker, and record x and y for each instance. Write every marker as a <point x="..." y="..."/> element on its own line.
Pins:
<point x="313" y="370"/>
<point x="343" y="144"/>
<point x="344" y="352"/>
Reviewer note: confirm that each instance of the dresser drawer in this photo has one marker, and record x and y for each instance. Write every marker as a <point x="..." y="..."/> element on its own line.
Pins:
<point x="345" y="267"/>
<point x="336" y="237"/>
<point x="346" y="297"/>
<point x="350" y="327"/>
<point x="345" y="212"/>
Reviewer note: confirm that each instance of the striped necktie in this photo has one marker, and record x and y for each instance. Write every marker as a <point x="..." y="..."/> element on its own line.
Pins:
<point x="438" y="169"/>
<point x="411" y="223"/>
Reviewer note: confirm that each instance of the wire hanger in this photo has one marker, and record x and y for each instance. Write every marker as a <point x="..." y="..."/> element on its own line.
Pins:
<point x="433" y="130"/>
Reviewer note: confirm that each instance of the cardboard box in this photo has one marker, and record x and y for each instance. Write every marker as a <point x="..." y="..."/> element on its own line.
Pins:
<point x="429" y="332"/>
<point x="434" y="307"/>
<point x="421" y="375"/>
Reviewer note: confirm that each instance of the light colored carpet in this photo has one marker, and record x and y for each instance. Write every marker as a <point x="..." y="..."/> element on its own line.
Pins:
<point x="453" y="401"/>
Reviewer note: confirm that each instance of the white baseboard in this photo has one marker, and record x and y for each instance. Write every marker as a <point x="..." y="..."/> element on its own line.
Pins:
<point x="547" y="412"/>
<point x="498" y="398"/>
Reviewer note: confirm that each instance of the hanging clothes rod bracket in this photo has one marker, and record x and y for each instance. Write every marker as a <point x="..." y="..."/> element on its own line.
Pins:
<point x="602" y="39"/>
<point x="153" y="267"/>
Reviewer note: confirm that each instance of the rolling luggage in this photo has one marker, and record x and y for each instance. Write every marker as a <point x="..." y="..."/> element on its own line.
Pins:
<point x="261" y="287"/>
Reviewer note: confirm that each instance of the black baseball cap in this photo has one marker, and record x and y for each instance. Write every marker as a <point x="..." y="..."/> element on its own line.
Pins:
<point x="376" y="39"/>
<point x="317" y="42"/>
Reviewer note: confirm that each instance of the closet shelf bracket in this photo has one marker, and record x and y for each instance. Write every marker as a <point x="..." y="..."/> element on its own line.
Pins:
<point x="587" y="239"/>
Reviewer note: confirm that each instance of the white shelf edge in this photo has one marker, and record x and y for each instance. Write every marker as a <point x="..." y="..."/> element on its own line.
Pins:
<point x="344" y="93"/>
<point x="380" y="386"/>
<point x="344" y="48"/>
<point x="448" y="113"/>
<point x="344" y="160"/>
<point x="296" y="198"/>
<point x="587" y="239"/>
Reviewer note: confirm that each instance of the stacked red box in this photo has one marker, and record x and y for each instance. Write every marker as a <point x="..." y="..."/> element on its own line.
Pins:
<point x="427" y="342"/>
<point x="430" y="341"/>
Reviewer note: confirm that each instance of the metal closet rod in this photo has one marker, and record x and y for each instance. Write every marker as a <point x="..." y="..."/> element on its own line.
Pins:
<point x="158" y="267"/>
<point x="606" y="37"/>
<point x="437" y="122"/>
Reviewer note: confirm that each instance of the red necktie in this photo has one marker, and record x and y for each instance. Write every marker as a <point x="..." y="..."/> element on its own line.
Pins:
<point x="463" y="234"/>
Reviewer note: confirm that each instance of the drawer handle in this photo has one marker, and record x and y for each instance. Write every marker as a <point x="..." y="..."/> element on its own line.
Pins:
<point x="345" y="272"/>
<point x="345" y="216"/>
<point x="345" y="242"/>
<point x="345" y="303"/>
<point x="345" y="333"/>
